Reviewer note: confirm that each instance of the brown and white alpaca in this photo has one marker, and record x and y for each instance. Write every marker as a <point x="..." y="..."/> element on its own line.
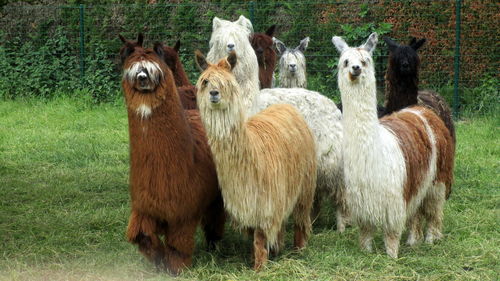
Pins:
<point x="266" y="163"/>
<point x="398" y="169"/>
<point x="173" y="182"/>
<point x="263" y="45"/>
<point x="402" y="83"/>
<point x="186" y="90"/>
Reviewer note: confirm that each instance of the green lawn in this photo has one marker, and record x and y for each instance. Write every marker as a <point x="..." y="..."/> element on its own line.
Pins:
<point x="64" y="207"/>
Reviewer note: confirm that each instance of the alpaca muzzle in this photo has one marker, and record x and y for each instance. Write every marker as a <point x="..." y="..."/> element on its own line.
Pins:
<point x="214" y="97"/>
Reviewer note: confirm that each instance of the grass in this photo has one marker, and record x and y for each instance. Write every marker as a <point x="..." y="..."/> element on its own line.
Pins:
<point x="64" y="207"/>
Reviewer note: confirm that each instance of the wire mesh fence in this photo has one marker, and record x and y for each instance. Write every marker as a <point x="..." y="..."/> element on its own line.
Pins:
<point x="46" y="49"/>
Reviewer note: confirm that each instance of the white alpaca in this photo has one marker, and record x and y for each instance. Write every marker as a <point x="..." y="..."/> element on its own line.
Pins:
<point x="292" y="65"/>
<point x="321" y="114"/>
<point x="397" y="169"/>
<point x="234" y="36"/>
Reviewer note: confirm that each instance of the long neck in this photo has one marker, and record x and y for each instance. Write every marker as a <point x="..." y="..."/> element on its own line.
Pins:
<point x="360" y="121"/>
<point x="180" y="75"/>
<point x="401" y="90"/>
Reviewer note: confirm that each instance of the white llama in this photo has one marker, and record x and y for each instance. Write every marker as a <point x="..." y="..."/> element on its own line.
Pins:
<point x="397" y="169"/>
<point x="292" y="66"/>
<point x="321" y="114"/>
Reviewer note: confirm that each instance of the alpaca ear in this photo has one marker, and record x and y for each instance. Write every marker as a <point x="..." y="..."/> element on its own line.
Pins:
<point x="201" y="61"/>
<point x="418" y="44"/>
<point x="216" y="23"/>
<point x="246" y="23"/>
<point x="280" y="46"/>
<point x="340" y="44"/>
<point x="270" y="30"/>
<point x="140" y="39"/>
<point x="412" y="41"/>
<point x="158" y="48"/>
<point x="232" y="59"/>
<point x="303" y="44"/>
<point x="122" y="38"/>
<point x="370" y="44"/>
<point x="391" y="44"/>
<point x="177" y="46"/>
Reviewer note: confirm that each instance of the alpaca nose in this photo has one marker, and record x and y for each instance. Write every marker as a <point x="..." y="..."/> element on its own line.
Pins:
<point x="214" y="93"/>
<point x="230" y="45"/>
<point x="355" y="67"/>
<point x="142" y="76"/>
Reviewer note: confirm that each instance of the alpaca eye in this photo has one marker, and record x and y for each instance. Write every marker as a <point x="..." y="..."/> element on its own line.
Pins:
<point x="204" y="82"/>
<point x="346" y="62"/>
<point x="363" y="63"/>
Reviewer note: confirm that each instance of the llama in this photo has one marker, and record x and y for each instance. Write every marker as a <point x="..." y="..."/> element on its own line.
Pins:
<point x="173" y="181"/>
<point x="234" y="36"/>
<point x="402" y="83"/>
<point x="263" y="45"/>
<point x="186" y="90"/>
<point x="264" y="175"/>
<point x="321" y="114"/>
<point x="292" y="65"/>
<point x="398" y="169"/>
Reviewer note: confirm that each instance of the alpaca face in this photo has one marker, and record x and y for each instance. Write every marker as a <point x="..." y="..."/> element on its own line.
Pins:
<point x="217" y="86"/>
<point x="404" y="59"/>
<point x="263" y="46"/>
<point x="356" y="64"/>
<point x="227" y="36"/>
<point x="142" y="69"/>
<point x="292" y="60"/>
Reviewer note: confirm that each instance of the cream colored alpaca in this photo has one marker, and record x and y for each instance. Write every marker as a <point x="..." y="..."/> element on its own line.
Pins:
<point x="266" y="164"/>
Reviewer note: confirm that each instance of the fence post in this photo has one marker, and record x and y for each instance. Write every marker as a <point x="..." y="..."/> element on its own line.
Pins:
<point x="82" y="44"/>
<point x="456" y="101"/>
<point x="251" y="8"/>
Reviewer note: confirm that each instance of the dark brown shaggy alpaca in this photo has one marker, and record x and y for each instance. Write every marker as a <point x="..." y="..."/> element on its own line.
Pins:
<point x="262" y="43"/>
<point x="187" y="91"/>
<point x="173" y="182"/>
<point x="402" y="83"/>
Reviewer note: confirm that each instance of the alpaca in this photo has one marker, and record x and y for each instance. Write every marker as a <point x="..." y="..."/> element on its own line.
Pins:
<point x="264" y="175"/>
<point x="398" y="169"/>
<point x="234" y="36"/>
<point x="402" y="83"/>
<point x="292" y="65"/>
<point x="186" y="90"/>
<point x="321" y="114"/>
<point x="173" y="181"/>
<point x="263" y="45"/>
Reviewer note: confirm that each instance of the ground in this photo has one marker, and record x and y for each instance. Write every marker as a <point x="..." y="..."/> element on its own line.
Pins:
<point x="64" y="207"/>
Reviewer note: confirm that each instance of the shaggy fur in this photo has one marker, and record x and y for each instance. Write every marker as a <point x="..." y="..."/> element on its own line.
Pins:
<point x="234" y="36"/>
<point x="263" y="45"/>
<point x="320" y="113"/>
<point x="292" y="65"/>
<point x="173" y="182"/>
<point x="187" y="92"/>
<point x="397" y="170"/>
<point x="402" y="83"/>
<point x="264" y="175"/>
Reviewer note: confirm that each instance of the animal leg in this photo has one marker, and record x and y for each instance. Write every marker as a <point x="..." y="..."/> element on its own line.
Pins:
<point x="433" y="206"/>
<point x="275" y="249"/>
<point x="143" y="231"/>
<point x="213" y="223"/>
<point x="415" y="228"/>
<point x="391" y="240"/>
<point x="180" y="246"/>
<point x="366" y="236"/>
<point x="259" y="249"/>
<point x="302" y="217"/>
